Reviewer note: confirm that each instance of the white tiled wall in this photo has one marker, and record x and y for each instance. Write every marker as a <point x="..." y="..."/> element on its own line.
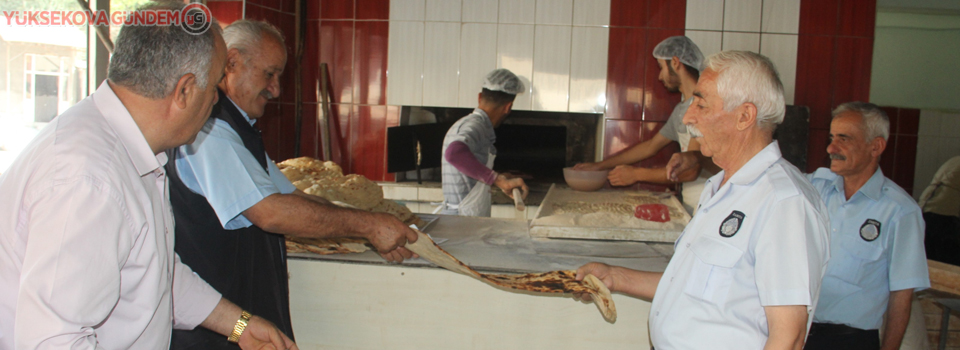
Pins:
<point x="405" y="62"/>
<point x="478" y="56"/>
<point x="551" y="67"/>
<point x="769" y="27"/>
<point x="440" y="64"/>
<point x="439" y="51"/>
<point x="938" y="140"/>
<point x="588" y="70"/>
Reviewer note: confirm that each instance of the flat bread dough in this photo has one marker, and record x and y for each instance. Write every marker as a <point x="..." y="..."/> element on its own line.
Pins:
<point x="549" y="282"/>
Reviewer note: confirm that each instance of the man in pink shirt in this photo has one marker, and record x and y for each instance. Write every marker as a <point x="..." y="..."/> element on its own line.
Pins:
<point x="86" y="231"/>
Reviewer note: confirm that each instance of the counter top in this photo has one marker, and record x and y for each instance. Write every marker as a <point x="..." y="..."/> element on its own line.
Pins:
<point x="498" y="245"/>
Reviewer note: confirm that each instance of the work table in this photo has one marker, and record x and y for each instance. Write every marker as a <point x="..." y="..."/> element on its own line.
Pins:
<point x="359" y="301"/>
<point x="498" y="245"/>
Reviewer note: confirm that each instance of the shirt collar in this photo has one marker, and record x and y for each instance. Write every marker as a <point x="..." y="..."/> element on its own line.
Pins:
<point x="757" y="165"/>
<point x="874" y="186"/>
<point x="242" y="112"/>
<point x="120" y="120"/>
<point x="487" y="123"/>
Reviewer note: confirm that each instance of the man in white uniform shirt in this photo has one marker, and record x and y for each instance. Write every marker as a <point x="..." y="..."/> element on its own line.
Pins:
<point x="86" y="231"/>
<point x="746" y="270"/>
<point x="876" y="239"/>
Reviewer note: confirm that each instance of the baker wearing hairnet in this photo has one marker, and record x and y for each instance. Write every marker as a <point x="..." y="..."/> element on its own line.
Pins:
<point x="468" y="150"/>
<point x="680" y="63"/>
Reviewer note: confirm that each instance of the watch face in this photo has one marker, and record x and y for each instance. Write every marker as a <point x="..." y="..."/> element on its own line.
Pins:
<point x="870" y="230"/>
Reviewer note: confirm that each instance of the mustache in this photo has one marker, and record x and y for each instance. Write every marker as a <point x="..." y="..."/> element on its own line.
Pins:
<point x="694" y="132"/>
<point x="836" y="156"/>
<point x="267" y="95"/>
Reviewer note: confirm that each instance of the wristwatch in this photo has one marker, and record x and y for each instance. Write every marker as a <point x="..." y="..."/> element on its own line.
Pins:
<point x="239" y="327"/>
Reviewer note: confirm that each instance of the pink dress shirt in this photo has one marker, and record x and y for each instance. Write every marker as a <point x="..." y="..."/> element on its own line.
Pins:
<point x="86" y="239"/>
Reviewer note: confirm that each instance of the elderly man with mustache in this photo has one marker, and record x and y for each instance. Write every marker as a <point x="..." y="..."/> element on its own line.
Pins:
<point x="233" y="205"/>
<point x="746" y="271"/>
<point x="876" y="238"/>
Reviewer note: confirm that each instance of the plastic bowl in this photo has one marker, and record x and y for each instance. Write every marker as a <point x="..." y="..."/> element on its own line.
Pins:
<point x="585" y="180"/>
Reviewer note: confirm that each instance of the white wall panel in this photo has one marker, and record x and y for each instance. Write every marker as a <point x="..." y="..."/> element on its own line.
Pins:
<point x="551" y="68"/>
<point x="484" y="11"/>
<point x="782" y="50"/>
<point x="929" y="123"/>
<point x="405" y="64"/>
<point x="588" y="69"/>
<point x="705" y="14"/>
<point x="708" y="41"/>
<point x="926" y="162"/>
<point x="478" y="56"/>
<point x="518" y="11"/>
<point x="950" y="126"/>
<point x="515" y="52"/>
<point x="741" y="41"/>
<point x="555" y="12"/>
<point x="406" y="10"/>
<point x="443" y="10"/>
<point x="441" y="64"/>
<point x="742" y="15"/>
<point x="591" y="12"/>
<point x="781" y="16"/>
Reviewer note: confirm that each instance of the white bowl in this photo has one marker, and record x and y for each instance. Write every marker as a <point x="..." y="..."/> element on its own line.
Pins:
<point x="585" y="180"/>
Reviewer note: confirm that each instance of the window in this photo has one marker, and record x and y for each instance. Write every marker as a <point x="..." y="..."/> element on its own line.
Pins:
<point x="43" y="71"/>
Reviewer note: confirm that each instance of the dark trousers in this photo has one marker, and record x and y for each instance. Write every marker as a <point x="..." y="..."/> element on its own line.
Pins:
<point x="824" y="336"/>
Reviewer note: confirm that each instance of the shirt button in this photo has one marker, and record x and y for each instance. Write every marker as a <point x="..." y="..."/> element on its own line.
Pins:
<point x="688" y="245"/>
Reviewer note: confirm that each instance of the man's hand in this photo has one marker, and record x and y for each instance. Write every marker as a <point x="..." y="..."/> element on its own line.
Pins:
<point x="388" y="235"/>
<point x="507" y="183"/>
<point x="599" y="270"/>
<point x="680" y="163"/>
<point x="587" y="166"/>
<point x="261" y="334"/>
<point x="622" y="175"/>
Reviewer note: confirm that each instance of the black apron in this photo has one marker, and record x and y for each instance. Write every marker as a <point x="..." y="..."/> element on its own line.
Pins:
<point x="248" y="266"/>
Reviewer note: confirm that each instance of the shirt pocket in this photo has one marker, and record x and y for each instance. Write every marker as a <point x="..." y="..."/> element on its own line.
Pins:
<point x="712" y="273"/>
<point x="857" y="254"/>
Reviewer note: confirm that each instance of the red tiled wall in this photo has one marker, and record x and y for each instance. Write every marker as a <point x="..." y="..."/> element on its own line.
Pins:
<point x="899" y="159"/>
<point x="834" y="57"/>
<point x="350" y="36"/>
<point x="637" y="103"/>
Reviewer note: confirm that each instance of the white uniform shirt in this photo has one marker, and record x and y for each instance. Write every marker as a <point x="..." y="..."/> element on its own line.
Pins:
<point x="759" y="240"/>
<point x="86" y="239"/>
<point x="877" y="243"/>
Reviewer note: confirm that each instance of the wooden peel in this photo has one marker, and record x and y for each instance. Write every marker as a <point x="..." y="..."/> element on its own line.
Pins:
<point x="518" y="199"/>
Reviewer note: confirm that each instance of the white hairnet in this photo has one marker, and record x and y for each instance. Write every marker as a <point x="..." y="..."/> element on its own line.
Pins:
<point x="681" y="47"/>
<point x="503" y="80"/>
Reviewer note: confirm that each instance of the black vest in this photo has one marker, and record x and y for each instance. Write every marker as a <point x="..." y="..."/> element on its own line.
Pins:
<point x="248" y="266"/>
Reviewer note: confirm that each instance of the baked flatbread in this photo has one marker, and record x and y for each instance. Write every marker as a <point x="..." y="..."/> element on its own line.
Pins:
<point x="549" y="282"/>
<point x="327" y="246"/>
<point x="326" y="180"/>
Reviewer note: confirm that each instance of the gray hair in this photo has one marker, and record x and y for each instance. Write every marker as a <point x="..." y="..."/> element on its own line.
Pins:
<point x="246" y="35"/>
<point x="875" y="124"/>
<point x="149" y="60"/>
<point x="744" y="77"/>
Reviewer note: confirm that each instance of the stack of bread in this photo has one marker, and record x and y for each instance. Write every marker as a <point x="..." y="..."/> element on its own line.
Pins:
<point x="326" y="179"/>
